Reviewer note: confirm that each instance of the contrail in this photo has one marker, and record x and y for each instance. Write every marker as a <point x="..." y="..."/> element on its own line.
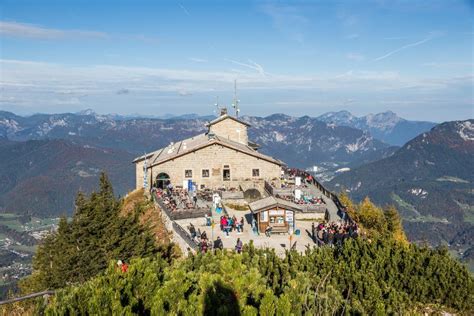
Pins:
<point x="429" y="38"/>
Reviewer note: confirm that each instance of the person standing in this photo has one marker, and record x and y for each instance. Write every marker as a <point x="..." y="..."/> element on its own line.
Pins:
<point x="218" y="243"/>
<point x="124" y="267"/>
<point x="203" y="246"/>
<point x="195" y="199"/>
<point x="238" y="245"/>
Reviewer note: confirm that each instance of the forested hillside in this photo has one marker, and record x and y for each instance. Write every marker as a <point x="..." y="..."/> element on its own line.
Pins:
<point x="41" y="177"/>
<point x="430" y="180"/>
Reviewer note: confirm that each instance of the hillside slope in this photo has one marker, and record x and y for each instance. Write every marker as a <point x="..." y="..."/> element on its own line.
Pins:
<point x="42" y="177"/>
<point x="430" y="180"/>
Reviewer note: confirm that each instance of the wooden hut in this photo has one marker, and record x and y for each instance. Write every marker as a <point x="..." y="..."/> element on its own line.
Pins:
<point x="274" y="212"/>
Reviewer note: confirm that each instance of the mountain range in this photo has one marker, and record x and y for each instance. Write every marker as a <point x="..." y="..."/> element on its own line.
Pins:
<point x="387" y="126"/>
<point x="81" y="144"/>
<point x="430" y="179"/>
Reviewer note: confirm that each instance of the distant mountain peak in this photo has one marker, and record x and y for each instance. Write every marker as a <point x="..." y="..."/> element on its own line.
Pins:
<point x="87" y="112"/>
<point x="466" y="130"/>
<point x="386" y="126"/>
<point x="385" y="120"/>
<point x="278" y="116"/>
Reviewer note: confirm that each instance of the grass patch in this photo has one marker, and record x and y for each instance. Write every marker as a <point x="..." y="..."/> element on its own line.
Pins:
<point x="452" y="179"/>
<point x="12" y="223"/>
<point x="8" y="215"/>
<point x="41" y="223"/>
<point x="23" y="248"/>
<point x="427" y="219"/>
<point x="405" y="205"/>
<point x="468" y="212"/>
<point x="237" y="207"/>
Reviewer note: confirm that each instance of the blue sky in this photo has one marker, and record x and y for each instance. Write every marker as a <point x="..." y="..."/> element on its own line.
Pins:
<point x="297" y="57"/>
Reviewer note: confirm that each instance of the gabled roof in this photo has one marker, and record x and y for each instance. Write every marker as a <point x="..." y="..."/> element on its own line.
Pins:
<point x="198" y="142"/>
<point x="226" y="116"/>
<point x="270" y="202"/>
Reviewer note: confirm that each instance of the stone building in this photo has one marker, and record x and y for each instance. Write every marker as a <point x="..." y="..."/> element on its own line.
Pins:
<point x="222" y="157"/>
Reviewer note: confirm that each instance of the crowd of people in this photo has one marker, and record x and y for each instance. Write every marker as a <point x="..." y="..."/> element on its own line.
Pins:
<point x="177" y="198"/>
<point x="304" y="199"/>
<point x="229" y="224"/>
<point x="205" y="244"/>
<point x="334" y="234"/>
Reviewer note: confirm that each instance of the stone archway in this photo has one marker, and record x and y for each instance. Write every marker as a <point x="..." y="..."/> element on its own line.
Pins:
<point x="162" y="180"/>
<point x="252" y="195"/>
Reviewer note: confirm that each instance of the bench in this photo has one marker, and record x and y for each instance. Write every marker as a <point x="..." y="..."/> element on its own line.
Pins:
<point x="279" y="230"/>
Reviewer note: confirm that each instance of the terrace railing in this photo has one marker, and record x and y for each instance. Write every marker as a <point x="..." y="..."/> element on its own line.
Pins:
<point x="185" y="236"/>
<point x="340" y="207"/>
<point x="181" y="214"/>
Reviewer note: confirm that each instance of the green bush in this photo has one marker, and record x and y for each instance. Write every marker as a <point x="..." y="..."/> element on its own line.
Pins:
<point x="377" y="277"/>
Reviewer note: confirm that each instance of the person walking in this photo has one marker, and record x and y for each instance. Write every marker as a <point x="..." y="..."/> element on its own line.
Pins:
<point x="192" y="230"/>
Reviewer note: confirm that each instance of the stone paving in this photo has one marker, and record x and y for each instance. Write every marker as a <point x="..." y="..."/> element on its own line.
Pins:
<point x="279" y="242"/>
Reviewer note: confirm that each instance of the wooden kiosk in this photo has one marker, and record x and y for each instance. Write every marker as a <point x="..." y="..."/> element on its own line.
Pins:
<point x="276" y="213"/>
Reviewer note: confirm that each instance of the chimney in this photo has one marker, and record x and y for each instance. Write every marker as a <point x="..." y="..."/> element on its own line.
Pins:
<point x="211" y="135"/>
<point x="223" y="111"/>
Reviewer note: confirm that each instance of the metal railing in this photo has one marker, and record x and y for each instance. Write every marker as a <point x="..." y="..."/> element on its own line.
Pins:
<point x="182" y="214"/>
<point x="22" y="298"/>
<point x="341" y="209"/>
<point x="185" y="236"/>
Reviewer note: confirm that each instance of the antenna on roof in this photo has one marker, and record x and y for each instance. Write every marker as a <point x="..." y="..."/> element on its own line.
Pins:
<point x="217" y="110"/>
<point x="236" y="102"/>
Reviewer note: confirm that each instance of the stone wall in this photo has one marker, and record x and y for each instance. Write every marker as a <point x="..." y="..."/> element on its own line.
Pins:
<point x="212" y="158"/>
<point x="230" y="129"/>
<point x="139" y="174"/>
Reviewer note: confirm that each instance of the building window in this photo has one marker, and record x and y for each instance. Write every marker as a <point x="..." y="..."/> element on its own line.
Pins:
<point x="226" y="173"/>
<point x="188" y="173"/>
<point x="255" y="172"/>
<point x="205" y="173"/>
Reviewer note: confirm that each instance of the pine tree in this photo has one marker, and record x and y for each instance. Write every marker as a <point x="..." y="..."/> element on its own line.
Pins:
<point x="394" y="224"/>
<point x="97" y="234"/>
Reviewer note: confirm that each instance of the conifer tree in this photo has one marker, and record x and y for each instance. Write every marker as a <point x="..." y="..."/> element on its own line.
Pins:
<point x="394" y="224"/>
<point x="97" y="233"/>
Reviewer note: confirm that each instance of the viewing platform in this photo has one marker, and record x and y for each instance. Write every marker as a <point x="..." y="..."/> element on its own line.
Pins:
<point x="288" y="207"/>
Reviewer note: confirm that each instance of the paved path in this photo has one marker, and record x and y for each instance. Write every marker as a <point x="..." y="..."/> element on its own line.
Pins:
<point x="330" y="205"/>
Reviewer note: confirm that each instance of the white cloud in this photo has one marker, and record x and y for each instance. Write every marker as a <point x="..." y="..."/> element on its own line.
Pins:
<point x="197" y="60"/>
<point x="24" y="30"/>
<point x="67" y="85"/>
<point x="14" y="29"/>
<point x="287" y="19"/>
<point x="447" y="64"/>
<point x="251" y="64"/>
<point x="184" y="9"/>
<point x="355" y="56"/>
<point x="352" y="36"/>
<point x="184" y="93"/>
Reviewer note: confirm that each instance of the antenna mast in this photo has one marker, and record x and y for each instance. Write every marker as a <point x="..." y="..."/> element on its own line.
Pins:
<point x="236" y="102"/>
<point x="217" y="106"/>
